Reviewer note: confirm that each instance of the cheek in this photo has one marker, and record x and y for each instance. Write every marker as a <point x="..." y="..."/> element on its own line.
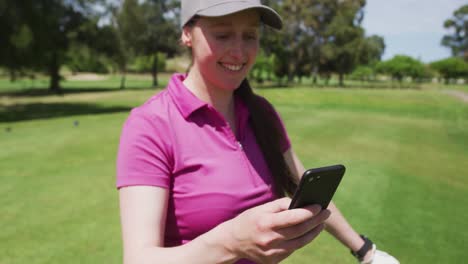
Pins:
<point x="204" y="52"/>
<point x="252" y="47"/>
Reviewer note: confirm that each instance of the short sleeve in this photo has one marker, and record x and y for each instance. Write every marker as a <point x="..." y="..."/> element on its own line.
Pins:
<point x="143" y="155"/>
<point x="285" y="142"/>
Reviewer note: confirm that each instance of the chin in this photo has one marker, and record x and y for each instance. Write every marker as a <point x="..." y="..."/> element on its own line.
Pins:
<point x="226" y="84"/>
<point x="232" y="87"/>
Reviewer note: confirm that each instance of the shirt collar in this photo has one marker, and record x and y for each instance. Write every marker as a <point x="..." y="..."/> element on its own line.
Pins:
<point x="188" y="103"/>
<point x="184" y="99"/>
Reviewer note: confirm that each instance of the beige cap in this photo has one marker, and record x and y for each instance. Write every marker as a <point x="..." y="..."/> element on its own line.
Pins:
<point x="215" y="8"/>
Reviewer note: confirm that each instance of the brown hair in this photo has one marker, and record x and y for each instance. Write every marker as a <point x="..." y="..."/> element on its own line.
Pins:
<point x="269" y="133"/>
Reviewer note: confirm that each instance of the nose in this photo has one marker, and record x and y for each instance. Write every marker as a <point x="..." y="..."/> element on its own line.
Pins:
<point x="237" y="48"/>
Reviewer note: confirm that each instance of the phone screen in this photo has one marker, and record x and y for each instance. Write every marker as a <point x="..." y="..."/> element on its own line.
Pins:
<point x="317" y="186"/>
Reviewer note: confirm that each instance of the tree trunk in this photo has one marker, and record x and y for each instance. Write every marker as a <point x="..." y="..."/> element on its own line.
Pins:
<point x="291" y="71"/>
<point x="341" y="79"/>
<point x="12" y="76"/>
<point x="154" y="70"/>
<point x="122" y="80"/>
<point x="314" y="75"/>
<point x="290" y="77"/>
<point x="54" y="85"/>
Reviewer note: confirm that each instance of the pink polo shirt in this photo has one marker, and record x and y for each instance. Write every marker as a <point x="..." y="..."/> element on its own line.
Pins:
<point x="178" y="142"/>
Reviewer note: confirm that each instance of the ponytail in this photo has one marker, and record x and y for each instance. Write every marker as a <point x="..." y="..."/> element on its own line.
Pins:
<point x="268" y="133"/>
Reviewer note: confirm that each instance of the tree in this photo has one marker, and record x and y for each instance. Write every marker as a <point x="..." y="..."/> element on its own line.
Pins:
<point x="402" y="66"/>
<point x="345" y="38"/>
<point x="262" y="68"/>
<point x="297" y="47"/>
<point x="458" y="40"/>
<point x="16" y="37"/>
<point x="320" y="37"/>
<point x="363" y="73"/>
<point x="451" y="68"/>
<point x="372" y="50"/>
<point x="144" y="29"/>
<point x="129" y="26"/>
<point x="161" y="32"/>
<point x="39" y="34"/>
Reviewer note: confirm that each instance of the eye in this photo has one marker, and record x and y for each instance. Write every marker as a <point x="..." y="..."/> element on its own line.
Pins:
<point x="221" y="36"/>
<point x="250" y="36"/>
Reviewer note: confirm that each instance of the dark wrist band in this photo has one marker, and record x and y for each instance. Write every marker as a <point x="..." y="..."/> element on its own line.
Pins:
<point x="364" y="249"/>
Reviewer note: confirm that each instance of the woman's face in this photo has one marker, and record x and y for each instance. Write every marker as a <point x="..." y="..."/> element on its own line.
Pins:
<point x="224" y="48"/>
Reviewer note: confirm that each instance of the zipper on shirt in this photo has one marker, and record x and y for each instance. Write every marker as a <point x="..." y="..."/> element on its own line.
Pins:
<point x="240" y="145"/>
<point x="230" y="132"/>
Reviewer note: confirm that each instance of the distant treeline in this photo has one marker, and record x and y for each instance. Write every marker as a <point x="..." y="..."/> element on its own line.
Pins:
<point x="319" y="38"/>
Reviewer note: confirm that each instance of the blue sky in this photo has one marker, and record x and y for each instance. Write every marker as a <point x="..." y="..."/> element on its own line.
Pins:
<point x="411" y="27"/>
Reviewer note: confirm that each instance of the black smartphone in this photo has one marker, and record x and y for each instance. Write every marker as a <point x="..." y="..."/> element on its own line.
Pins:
<point x="317" y="186"/>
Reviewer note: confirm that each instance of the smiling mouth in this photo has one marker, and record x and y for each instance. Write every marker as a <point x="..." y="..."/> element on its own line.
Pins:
<point x="232" y="67"/>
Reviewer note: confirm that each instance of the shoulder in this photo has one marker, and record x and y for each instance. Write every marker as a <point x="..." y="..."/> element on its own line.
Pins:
<point x="154" y="112"/>
<point x="156" y="106"/>
<point x="150" y="122"/>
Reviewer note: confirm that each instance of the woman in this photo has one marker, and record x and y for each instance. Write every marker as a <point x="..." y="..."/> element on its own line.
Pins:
<point x="203" y="166"/>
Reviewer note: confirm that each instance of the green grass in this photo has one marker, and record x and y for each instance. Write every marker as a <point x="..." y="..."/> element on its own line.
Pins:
<point x="406" y="153"/>
<point x="71" y="83"/>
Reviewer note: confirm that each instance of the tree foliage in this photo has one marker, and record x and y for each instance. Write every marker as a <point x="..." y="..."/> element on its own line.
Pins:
<point x="321" y="37"/>
<point x="401" y="66"/>
<point x="372" y="50"/>
<point x="363" y="73"/>
<point x="297" y="48"/>
<point x="458" y="40"/>
<point x="345" y="38"/>
<point x="144" y="29"/>
<point x="451" y="68"/>
<point x="38" y="34"/>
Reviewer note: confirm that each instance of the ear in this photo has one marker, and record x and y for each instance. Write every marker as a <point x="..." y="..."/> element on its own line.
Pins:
<point x="187" y="36"/>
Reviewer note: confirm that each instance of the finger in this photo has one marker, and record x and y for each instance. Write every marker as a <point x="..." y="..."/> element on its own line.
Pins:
<point x="278" y="205"/>
<point x="301" y="241"/>
<point x="301" y="229"/>
<point x="294" y="217"/>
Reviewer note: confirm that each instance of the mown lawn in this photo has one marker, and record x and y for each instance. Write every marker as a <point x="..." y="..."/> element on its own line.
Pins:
<point x="406" y="153"/>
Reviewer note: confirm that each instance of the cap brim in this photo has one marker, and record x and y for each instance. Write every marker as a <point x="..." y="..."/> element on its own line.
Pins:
<point x="267" y="15"/>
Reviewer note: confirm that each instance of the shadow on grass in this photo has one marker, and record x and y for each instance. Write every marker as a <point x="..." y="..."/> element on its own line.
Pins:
<point x="32" y="111"/>
<point x="33" y="92"/>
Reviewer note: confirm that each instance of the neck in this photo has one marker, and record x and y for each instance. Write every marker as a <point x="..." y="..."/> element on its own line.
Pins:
<point x="221" y="100"/>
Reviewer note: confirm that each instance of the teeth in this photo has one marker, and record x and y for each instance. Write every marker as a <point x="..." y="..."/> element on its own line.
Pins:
<point x="232" y="67"/>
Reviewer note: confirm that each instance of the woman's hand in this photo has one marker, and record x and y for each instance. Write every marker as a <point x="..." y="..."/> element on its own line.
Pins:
<point x="269" y="233"/>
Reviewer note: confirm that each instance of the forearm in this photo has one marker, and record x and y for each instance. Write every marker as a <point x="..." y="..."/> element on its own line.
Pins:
<point x="337" y="226"/>
<point x="207" y="248"/>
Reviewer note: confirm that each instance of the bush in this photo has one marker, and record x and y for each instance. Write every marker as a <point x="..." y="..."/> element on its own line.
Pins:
<point x="451" y="68"/>
<point x="402" y="66"/>
<point x="263" y="68"/>
<point x="82" y="59"/>
<point x="363" y="73"/>
<point x="144" y="64"/>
